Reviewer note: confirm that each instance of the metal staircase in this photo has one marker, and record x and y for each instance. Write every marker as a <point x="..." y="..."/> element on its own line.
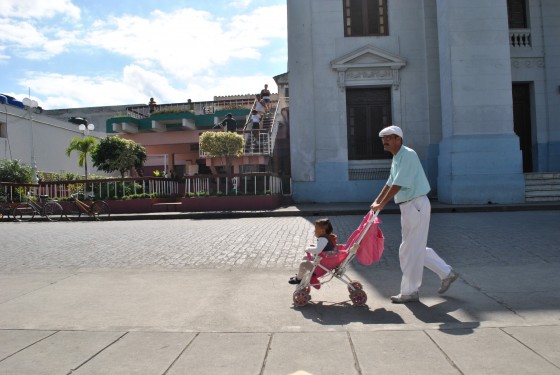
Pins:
<point x="542" y="187"/>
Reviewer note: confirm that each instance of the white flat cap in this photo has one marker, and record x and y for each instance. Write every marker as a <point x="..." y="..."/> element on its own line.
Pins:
<point x="393" y="129"/>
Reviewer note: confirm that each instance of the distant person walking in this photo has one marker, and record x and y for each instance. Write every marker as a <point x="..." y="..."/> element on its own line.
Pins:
<point x="255" y="124"/>
<point x="265" y="95"/>
<point x="260" y="104"/>
<point x="408" y="185"/>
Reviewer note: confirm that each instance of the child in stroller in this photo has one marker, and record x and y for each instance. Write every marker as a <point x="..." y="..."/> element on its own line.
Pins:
<point x="325" y="245"/>
<point x="327" y="258"/>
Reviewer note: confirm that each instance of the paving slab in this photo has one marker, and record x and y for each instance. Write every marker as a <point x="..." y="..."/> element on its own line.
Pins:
<point x="59" y="353"/>
<point x="138" y="353"/>
<point x="490" y="351"/>
<point x="400" y="352"/>
<point x="544" y="340"/>
<point x="26" y="282"/>
<point x="224" y="354"/>
<point x="12" y="341"/>
<point x="322" y="353"/>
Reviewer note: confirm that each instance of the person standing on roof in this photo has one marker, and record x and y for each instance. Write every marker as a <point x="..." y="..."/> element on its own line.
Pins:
<point x="408" y="185"/>
<point x="152" y="104"/>
<point x="229" y="123"/>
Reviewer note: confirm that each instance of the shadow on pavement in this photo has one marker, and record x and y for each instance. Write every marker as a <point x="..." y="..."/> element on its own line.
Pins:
<point x="439" y="313"/>
<point x="331" y="313"/>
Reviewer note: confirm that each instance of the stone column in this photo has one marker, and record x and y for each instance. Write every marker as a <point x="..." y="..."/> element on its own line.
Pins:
<point x="479" y="156"/>
<point x="301" y="70"/>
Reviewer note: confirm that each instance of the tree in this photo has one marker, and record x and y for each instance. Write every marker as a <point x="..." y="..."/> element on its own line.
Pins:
<point x="222" y="144"/>
<point x="15" y="171"/>
<point x="84" y="146"/>
<point x="117" y="154"/>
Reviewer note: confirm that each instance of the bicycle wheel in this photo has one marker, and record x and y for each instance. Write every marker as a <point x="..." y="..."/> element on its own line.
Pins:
<point x="23" y="212"/>
<point x="100" y="210"/>
<point x="53" y="211"/>
<point x="72" y="211"/>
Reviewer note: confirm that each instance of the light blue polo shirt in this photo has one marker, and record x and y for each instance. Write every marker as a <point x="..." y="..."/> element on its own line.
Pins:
<point x="407" y="172"/>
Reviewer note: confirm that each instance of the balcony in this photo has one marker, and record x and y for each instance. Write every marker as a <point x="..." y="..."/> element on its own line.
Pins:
<point x="520" y="38"/>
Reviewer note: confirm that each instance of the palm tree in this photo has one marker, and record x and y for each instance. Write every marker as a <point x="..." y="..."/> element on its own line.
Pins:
<point x="84" y="146"/>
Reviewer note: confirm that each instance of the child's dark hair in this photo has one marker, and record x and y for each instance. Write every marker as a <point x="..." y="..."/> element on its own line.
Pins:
<point x="325" y="223"/>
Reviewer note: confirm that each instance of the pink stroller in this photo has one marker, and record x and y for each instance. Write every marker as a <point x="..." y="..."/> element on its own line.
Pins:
<point x="366" y="243"/>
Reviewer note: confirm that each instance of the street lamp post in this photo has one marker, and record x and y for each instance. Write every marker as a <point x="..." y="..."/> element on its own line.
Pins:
<point x="30" y="104"/>
<point x="86" y="128"/>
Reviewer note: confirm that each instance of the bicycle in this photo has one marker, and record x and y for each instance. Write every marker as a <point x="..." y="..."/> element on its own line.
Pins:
<point x="96" y="210"/>
<point x="6" y="206"/>
<point x="46" y="207"/>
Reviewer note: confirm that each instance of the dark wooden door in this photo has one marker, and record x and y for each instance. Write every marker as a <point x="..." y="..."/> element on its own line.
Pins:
<point x="522" y="122"/>
<point x="368" y="111"/>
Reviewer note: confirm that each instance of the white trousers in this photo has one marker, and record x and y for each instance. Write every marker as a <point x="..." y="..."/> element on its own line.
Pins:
<point x="413" y="253"/>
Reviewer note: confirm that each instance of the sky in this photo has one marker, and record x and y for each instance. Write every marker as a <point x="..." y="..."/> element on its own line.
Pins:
<point x="83" y="53"/>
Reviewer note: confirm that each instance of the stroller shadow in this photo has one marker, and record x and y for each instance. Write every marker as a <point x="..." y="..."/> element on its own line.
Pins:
<point x="340" y="313"/>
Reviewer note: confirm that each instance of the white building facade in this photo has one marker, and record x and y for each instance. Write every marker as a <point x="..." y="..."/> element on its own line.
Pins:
<point x="37" y="139"/>
<point x="474" y="85"/>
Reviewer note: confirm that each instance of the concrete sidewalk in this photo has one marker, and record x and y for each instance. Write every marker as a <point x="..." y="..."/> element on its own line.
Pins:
<point x="243" y="322"/>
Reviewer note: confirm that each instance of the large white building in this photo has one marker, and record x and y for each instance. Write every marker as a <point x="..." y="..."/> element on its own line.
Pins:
<point x="473" y="83"/>
<point x="36" y="139"/>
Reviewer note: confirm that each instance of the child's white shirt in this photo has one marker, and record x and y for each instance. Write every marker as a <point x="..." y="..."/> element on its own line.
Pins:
<point x="321" y="244"/>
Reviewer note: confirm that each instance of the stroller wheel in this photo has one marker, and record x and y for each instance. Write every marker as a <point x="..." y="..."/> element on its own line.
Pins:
<point x="301" y="297"/>
<point x="356" y="285"/>
<point x="358" y="297"/>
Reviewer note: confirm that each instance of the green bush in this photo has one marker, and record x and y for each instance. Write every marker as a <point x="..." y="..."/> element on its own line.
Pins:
<point x="16" y="171"/>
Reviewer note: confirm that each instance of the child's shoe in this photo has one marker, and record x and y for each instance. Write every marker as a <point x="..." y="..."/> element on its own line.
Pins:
<point x="294" y="280"/>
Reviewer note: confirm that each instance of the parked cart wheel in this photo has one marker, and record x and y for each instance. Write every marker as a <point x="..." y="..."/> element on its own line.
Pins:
<point x="358" y="297"/>
<point x="356" y="285"/>
<point x="301" y="297"/>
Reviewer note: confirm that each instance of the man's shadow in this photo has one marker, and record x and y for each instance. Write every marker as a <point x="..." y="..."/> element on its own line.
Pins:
<point x="439" y="313"/>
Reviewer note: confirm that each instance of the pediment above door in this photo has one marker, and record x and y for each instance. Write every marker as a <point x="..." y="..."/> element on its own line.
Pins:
<point x="368" y="66"/>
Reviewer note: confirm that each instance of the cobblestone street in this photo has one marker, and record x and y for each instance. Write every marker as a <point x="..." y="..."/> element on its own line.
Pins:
<point x="195" y="296"/>
<point x="464" y="239"/>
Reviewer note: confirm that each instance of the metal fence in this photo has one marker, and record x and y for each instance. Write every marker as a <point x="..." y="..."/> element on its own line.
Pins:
<point x="238" y="184"/>
<point x="117" y="188"/>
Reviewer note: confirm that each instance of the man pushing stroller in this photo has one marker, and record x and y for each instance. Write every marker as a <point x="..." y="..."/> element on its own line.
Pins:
<point x="408" y="185"/>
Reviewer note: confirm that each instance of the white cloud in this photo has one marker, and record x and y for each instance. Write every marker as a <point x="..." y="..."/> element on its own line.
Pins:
<point x="38" y="8"/>
<point x="68" y="91"/>
<point x="151" y="84"/>
<point x="23" y="33"/>
<point x="235" y="4"/>
<point x="135" y="86"/>
<point x="189" y="42"/>
<point x="25" y="39"/>
<point x="171" y="56"/>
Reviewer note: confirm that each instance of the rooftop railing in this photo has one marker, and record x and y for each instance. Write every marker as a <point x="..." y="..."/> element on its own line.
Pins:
<point x="197" y="108"/>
